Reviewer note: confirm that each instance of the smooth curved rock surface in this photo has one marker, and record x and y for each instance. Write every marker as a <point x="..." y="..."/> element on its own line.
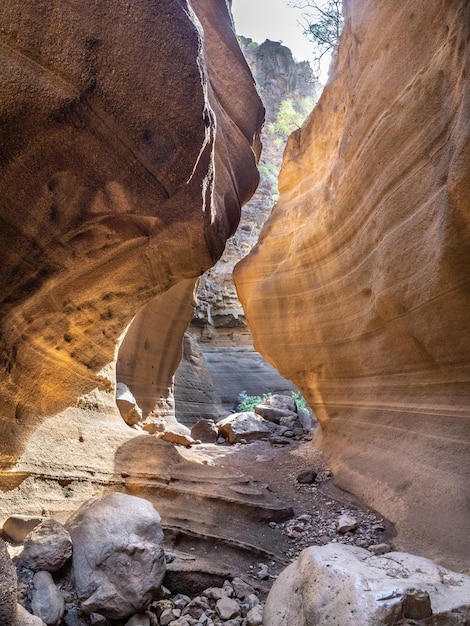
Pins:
<point x="358" y="290"/>
<point x="339" y="585"/>
<point x="126" y="155"/>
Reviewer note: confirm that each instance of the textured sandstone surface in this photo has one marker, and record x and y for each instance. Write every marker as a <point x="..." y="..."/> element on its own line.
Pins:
<point x="358" y="289"/>
<point x="126" y="155"/>
<point x="337" y="584"/>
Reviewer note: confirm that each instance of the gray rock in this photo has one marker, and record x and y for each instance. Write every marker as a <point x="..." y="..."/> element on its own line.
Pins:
<point x="241" y="589"/>
<point x="281" y="401"/>
<point x="380" y="548"/>
<point x="23" y="618"/>
<point x="274" y="414"/>
<point x="18" y="526"/>
<point x="140" y="619"/>
<point x="73" y="617"/>
<point x="197" y="607"/>
<point x="169" y="615"/>
<point x="291" y="422"/>
<point x="205" y="430"/>
<point x="47" y="547"/>
<point x="7" y="586"/>
<point x="118" y="560"/>
<point x="255" y="616"/>
<point x="47" y="602"/>
<point x="214" y="593"/>
<point x="96" y="619"/>
<point x="306" y="477"/>
<point x="345" y="523"/>
<point x="379" y="589"/>
<point x="181" y="600"/>
<point x="248" y="426"/>
<point x="227" y="608"/>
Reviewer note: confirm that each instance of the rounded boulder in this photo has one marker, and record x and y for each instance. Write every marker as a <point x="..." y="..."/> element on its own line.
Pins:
<point x="118" y="559"/>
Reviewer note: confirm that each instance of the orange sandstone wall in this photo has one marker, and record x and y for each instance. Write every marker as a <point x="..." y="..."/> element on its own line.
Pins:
<point x="358" y="289"/>
<point x="127" y="150"/>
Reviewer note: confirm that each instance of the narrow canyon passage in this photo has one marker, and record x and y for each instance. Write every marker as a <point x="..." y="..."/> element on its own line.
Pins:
<point x="138" y="378"/>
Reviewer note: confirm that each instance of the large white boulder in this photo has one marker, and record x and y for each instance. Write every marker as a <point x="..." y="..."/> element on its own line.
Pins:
<point x="245" y="426"/>
<point x="118" y="560"/>
<point x="340" y="585"/>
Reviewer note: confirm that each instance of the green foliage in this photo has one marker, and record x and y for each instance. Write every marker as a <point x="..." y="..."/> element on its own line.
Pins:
<point x="268" y="171"/>
<point x="290" y="116"/>
<point x="323" y="23"/>
<point x="248" y="403"/>
<point x="253" y="45"/>
<point x="300" y="402"/>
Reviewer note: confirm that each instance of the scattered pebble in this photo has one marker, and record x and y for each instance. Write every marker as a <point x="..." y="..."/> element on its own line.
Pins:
<point x="346" y="523"/>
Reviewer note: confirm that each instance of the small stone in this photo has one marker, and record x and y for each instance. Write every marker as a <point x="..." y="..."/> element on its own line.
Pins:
<point x="47" y="603"/>
<point x="169" y="615"/>
<point x="73" y="617"/>
<point x="263" y="572"/>
<point x="252" y="600"/>
<point x="48" y="547"/>
<point x="255" y="616"/>
<point x="185" y="620"/>
<point x="227" y="608"/>
<point x="180" y="600"/>
<point x="160" y="606"/>
<point x="205" y="430"/>
<point x="197" y="607"/>
<point x="228" y="589"/>
<point x="380" y="548"/>
<point x="346" y="523"/>
<point x="96" y="619"/>
<point x="307" y="477"/>
<point x="241" y="589"/>
<point x="417" y="605"/>
<point x="214" y="593"/>
<point x="140" y="619"/>
<point x="275" y="440"/>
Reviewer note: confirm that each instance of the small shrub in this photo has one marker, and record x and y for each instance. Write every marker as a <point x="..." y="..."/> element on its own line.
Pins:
<point x="300" y="402"/>
<point x="248" y="403"/>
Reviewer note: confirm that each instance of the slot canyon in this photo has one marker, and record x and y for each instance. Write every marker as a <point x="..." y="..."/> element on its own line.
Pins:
<point x="235" y="373"/>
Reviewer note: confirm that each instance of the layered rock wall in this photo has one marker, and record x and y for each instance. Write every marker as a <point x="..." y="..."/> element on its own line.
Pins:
<point x="358" y="289"/>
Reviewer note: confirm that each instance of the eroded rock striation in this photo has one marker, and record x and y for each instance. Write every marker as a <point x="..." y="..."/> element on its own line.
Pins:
<point x="126" y="155"/>
<point x="358" y="289"/>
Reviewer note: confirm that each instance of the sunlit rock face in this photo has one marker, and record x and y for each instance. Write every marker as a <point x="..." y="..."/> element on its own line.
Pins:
<point x="126" y="154"/>
<point x="358" y="289"/>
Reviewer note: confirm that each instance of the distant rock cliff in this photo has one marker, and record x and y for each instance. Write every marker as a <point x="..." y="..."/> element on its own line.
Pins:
<point x="358" y="289"/>
<point x="219" y="323"/>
